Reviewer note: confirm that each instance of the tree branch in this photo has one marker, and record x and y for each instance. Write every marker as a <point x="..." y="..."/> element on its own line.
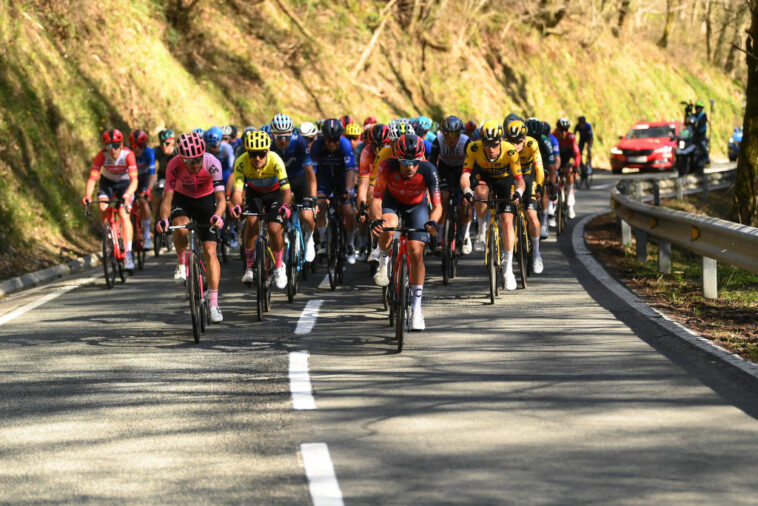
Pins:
<point x="751" y="55"/>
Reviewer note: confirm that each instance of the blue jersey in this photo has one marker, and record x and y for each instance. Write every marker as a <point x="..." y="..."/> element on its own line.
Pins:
<point x="296" y="157"/>
<point x="585" y="132"/>
<point x="427" y="148"/>
<point x="329" y="165"/>
<point x="146" y="162"/>
<point x="555" y="144"/>
<point x="226" y="157"/>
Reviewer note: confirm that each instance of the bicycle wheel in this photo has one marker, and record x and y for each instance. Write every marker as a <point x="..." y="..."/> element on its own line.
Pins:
<point x="202" y="294"/>
<point x="559" y="217"/>
<point x="401" y="302"/>
<point x="292" y="259"/>
<point x="109" y="257"/>
<point x="521" y="250"/>
<point x="447" y="250"/>
<point x="491" y="262"/>
<point x="193" y="290"/>
<point x="341" y="255"/>
<point x="267" y="285"/>
<point x="157" y="241"/>
<point x="331" y="252"/>
<point x="260" y="277"/>
<point x="528" y="248"/>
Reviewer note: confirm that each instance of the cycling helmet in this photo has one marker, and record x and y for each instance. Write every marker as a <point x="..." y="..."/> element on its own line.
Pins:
<point x="399" y="127"/>
<point x="247" y="130"/>
<point x="199" y="131"/>
<point x="424" y="122"/>
<point x="265" y="128"/>
<point x="379" y="135"/>
<point x="257" y="140"/>
<point x="511" y="117"/>
<point x="332" y="129"/>
<point x="409" y="147"/>
<point x="533" y="128"/>
<point x="370" y="121"/>
<point x="190" y="145"/>
<point x="166" y="134"/>
<point x="452" y="124"/>
<point x="281" y="123"/>
<point x="234" y="130"/>
<point x="212" y="136"/>
<point x="138" y="138"/>
<point x="470" y="126"/>
<point x="515" y="131"/>
<point x="308" y="129"/>
<point x="491" y="131"/>
<point x="226" y="130"/>
<point x="545" y="128"/>
<point x="563" y="124"/>
<point x="581" y="119"/>
<point x="346" y="120"/>
<point x="112" y="135"/>
<point x="353" y="129"/>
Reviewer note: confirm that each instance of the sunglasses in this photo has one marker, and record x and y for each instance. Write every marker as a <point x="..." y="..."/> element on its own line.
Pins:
<point x="192" y="161"/>
<point x="113" y="145"/>
<point x="257" y="154"/>
<point x="286" y="137"/>
<point x="409" y="163"/>
<point x="491" y="144"/>
<point x="451" y="134"/>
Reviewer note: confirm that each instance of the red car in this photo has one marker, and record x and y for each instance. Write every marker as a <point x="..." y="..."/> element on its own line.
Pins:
<point x="647" y="146"/>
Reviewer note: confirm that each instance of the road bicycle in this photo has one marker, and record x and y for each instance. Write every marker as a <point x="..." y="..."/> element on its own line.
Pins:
<point x="263" y="266"/>
<point x="113" y="244"/>
<point x="492" y="254"/>
<point x="138" y="238"/>
<point x="295" y="252"/>
<point x="561" y="204"/>
<point x="450" y="246"/>
<point x="585" y="175"/>
<point x="336" y="243"/>
<point x="196" y="278"/>
<point x="522" y="248"/>
<point x="159" y="240"/>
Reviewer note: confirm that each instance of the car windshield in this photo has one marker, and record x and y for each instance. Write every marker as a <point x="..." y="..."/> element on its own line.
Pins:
<point x="649" y="132"/>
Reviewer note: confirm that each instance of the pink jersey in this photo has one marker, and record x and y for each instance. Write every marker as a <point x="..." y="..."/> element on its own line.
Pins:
<point x="206" y="181"/>
<point x="120" y="169"/>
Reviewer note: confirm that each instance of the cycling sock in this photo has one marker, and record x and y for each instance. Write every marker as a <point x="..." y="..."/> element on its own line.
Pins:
<point x="351" y="238"/>
<point x="362" y="241"/>
<point x="417" y="291"/>
<point x="146" y="227"/>
<point x="249" y="257"/>
<point x="322" y="234"/>
<point x="383" y="253"/>
<point x="551" y="208"/>
<point x="508" y="261"/>
<point x="127" y="247"/>
<point x="466" y="229"/>
<point x="278" y="258"/>
<point x="536" y="246"/>
<point x="214" y="297"/>
<point x="179" y="258"/>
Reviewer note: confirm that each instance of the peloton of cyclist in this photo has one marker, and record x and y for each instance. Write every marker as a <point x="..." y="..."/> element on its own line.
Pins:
<point x="378" y="138"/>
<point x="534" y="130"/>
<point x="194" y="189"/>
<point x="569" y="149"/>
<point x="263" y="176"/>
<point x="118" y="167"/>
<point x="406" y="184"/>
<point x="146" y="180"/>
<point x="494" y="163"/>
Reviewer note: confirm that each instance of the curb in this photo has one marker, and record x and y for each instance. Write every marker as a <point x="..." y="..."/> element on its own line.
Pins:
<point x="31" y="279"/>
<point x="635" y="302"/>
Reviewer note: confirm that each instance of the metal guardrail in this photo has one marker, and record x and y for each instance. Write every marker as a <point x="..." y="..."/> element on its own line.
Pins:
<point x="655" y="186"/>
<point x="713" y="239"/>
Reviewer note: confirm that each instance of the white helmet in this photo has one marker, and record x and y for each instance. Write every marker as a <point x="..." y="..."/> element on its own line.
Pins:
<point x="282" y="124"/>
<point x="399" y="127"/>
<point x="226" y="130"/>
<point x="308" y="129"/>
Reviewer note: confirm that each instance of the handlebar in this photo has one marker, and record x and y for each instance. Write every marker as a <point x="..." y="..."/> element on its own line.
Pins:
<point x="403" y="230"/>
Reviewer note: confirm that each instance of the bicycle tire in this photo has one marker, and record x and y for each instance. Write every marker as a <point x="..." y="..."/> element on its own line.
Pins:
<point x="447" y="251"/>
<point x="225" y="251"/>
<point x="202" y="297"/>
<point x="401" y="302"/>
<point x="260" y="275"/>
<point x="331" y="253"/>
<point x="521" y="250"/>
<point x="341" y="255"/>
<point x="528" y="249"/>
<point x="559" y="213"/>
<point x="292" y="259"/>
<point x="192" y="290"/>
<point x="267" y="284"/>
<point x="157" y="241"/>
<point x="491" y="263"/>
<point x="109" y="257"/>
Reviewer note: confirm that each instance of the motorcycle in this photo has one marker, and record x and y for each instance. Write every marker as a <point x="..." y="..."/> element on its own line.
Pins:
<point x="689" y="156"/>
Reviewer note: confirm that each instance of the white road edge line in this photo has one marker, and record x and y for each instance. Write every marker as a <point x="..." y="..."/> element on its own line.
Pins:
<point x="300" y="381"/>
<point x="322" y="482"/>
<point x="308" y="317"/>
<point x="38" y="302"/>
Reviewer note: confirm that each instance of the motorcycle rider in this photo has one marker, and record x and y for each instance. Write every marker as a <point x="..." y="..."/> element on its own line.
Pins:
<point x="700" y="131"/>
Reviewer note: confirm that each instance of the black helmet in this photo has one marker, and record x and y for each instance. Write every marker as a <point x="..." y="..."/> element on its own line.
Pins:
<point x="452" y="124"/>
<point x="545" y="128"/>
<point x="533" y="128"/>
<point x="332" y="128"/>
<point x="409" y="147"/>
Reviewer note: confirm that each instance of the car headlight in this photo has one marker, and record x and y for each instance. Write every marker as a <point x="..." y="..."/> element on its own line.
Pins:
<point x="616" y="151"/>
<point x="664" y="149"/>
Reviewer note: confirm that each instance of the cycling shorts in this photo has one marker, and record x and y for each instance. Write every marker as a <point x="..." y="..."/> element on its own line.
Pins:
<point x="450" y="177"/>
<point x="299" y="187"/>
<point x="503" y="188"/>
<point x="142" y="182"/>
<point x="111" y="189"/>
<point x="265" y="203"/>
<point x="530" y="197"/>
<point x="201" y="209"/>
<point x="414" y="216"/>
<point x="328" y="184"/>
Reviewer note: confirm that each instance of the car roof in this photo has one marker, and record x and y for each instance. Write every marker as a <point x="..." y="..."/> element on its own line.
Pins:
<point x="645" y="124"/>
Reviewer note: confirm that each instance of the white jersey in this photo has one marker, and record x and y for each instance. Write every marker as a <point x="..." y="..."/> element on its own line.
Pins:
<point x="452" y="157"/>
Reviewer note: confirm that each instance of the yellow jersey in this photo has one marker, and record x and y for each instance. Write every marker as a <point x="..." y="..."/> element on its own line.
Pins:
<point x="506" y="164"/>
<point x="383" y="154"/>
<point x="531" y="160"/>
<point x="271" y="177"/>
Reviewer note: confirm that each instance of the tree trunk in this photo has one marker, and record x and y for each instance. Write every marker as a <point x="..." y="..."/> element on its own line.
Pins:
<point x="623" y="11"/>
<point x="708" y="29"/>
<point x="745" y="204"/>
<point x="740" y="25"/>
<point x="664" y="40"/>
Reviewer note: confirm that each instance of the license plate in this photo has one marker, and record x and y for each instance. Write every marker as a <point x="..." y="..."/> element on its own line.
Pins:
<point x="637" y="159"/>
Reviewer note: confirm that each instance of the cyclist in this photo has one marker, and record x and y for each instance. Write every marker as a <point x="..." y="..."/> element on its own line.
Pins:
<point x="534" y="129"/>
<point x="470" y="128"/>
<point x="146" y="180"/>
<point x="333" y="160"/>
<point x="268" y="191"/>
<point x="423" y="124"/>
<point x="569" y="148"/>
<point x="164" y="152"/>
<point x="240" y="150"/>
<point x="293" y="150"/>
<point x="233" y="139"/>
<point x="534" y="179"/>
<point x="448" y="154"/>
<point x="378" y="138"/>
<point x="194" y="189"/>
<point x="494" y="163"/>
<point x="118" y="167"/>
<point x="406" y="184"/>
<point x="546" y="131"/>
<point x="586" y="137"/>
<point x="308" y="131"/>
<point x="353" y="133"/>
<point x="224" y="152"/>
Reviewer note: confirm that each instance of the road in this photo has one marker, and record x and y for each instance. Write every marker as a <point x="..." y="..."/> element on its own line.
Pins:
<point x="557" y="394"/>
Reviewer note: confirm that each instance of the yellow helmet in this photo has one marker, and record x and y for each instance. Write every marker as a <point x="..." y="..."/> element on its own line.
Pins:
<point x="515" y="131"/>
<point x="257" y="141"/>
<point x="491" y="131"/>
<point x="353" y="129"/>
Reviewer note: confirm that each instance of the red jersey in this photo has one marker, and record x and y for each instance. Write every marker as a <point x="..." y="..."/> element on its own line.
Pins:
<point x="368" y="155"/>
<point x="118" y="169"/>
<point x="567" y="144"/>
<point x="208" y="180"/>
<point x="407" y="191"/>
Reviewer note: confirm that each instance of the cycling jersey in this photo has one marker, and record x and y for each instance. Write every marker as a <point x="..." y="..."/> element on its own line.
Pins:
<point x="546" y="151"/>
<point x="554" y="143"/>
<point x="443" y="155"/>
<point x="506" y="164"/>
<point x="226" y="157"/>
<point x="368" y="157"/>
<point x="359" y="150"/>
<point x="338" y="162"/>
<point x="584" y="132"/>
<point x="206" y="181"/>
<point x="296" y="156"/>
<point x="427" y="148"/>
<point x="122" y="168"/>
<point x="271" y="177"/>
<point x="146" y="162"/>
<point x="383" y="154"/>
<point x="162" y="160"/>
<point x="568" y="148"/>
<point x="531" y="160"/>
<point x="407" y="191"/>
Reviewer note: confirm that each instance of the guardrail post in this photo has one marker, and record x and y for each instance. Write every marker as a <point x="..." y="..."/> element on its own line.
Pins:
<point x="626" y="233"/>
<point x="664" y="256"/>
<point x="679" y="188"/>
<point x="704" y="180"/>
<point x="710" y="278"/>
<point x="641" y="239"/>
<point x="656" y="192"/>
<point x="637" y="190"/>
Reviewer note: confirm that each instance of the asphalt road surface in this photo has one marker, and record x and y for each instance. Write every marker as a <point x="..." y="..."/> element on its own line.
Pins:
<point x="556" y="394"/>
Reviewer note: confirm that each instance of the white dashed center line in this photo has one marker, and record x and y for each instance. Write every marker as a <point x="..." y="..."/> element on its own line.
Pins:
<point x="322" y="482"/>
